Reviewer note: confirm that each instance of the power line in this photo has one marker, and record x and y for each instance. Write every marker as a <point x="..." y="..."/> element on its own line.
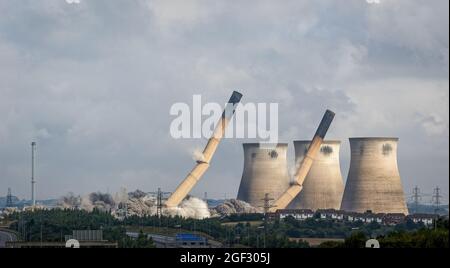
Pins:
<point x="159" y="204"/>
<point x="267" y="207"/>
<point x="9" y="202"/>
<point x="416" y="197"/>
<point x="267" y="204"/>
<point x="436" y="200"/>
<point x="33" y="179"/>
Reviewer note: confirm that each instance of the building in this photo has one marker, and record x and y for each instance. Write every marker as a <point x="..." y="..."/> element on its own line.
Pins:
<point x="323" y="186"/>
<point x="425" y="219"/>
<point x="394" y="218"/>
<point x="331" y="214"/>
<point x="190" y="241"/>
<point x="373" y="181"/>
<point x="86" y="235"/>
<point x="86" y="239"/>
<point x="298" y="214"/>
<point x="265" y="172"/>
<point x="83" y="244"/>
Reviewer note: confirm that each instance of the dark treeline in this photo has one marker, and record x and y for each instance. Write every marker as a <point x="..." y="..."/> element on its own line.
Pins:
<point x="236" y="230"/>
<point x="400" y="238"/>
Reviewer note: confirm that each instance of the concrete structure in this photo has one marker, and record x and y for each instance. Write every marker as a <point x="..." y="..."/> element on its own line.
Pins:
<point x="426" y="219"/>
<point x="33" y="181"/>
<point x="38" y="244"/>
<point x="191" y="241"/>
<point x="86" y="235"/>
<point x="373" y="181"/>
<point x="265" y="171"/>
<point x="286" y="198"/>
<point x="323" y="186"/>
<point x="298" y="214"/>
<point x="202" y="165"/>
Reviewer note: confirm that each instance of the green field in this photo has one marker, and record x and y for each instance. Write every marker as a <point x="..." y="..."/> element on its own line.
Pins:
<point x="234" y="223"/>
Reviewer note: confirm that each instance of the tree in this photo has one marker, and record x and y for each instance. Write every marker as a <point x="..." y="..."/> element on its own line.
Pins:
<point x="356" y="240"/>
<point x="143" y="241"/>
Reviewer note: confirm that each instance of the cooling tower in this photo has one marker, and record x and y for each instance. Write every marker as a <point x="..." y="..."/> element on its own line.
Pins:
<point x="265" y="171"/>
<point x="323" y="186"/>
<point x="373" y="181"/>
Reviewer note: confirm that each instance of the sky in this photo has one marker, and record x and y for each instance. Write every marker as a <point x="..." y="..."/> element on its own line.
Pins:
<point x="92" y="82"/>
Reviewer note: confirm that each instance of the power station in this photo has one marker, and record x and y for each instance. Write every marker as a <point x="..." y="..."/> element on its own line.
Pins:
<point x="323" y="186"/>
<point x="265" y="172"/>
<point x="373" y="181"/>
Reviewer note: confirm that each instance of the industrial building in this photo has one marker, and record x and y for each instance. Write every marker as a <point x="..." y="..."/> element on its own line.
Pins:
<point x="323" y="186"/>
<point x="265" y="172"/>
<point x="190" y="240"/>
<point x="373" y="182"/>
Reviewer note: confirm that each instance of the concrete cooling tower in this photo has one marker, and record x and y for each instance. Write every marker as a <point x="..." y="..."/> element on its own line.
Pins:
<point x="323" y="186"/>
<point x="373" y="181"/>
<point x="265" y="171"/>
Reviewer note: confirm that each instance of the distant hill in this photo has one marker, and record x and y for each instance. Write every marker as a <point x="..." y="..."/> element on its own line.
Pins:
<point x="21" y="203"/>
<point x="3" y="200"/>
<point x="428" y="209"/>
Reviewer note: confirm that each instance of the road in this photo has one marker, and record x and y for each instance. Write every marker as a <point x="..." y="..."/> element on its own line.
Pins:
<point x="164" y="241"/>
<point x="6" y="236"/>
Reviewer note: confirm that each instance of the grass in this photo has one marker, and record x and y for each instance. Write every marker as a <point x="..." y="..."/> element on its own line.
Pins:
<point x="313" y="242"/>
<point x="163" y="231"/>
<point x="234" y="223"/>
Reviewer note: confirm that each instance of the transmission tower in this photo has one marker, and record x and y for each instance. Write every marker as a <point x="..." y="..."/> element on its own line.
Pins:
<point x="436" y="200"/>
<point x="159" y="204"/>
<point x="33" y="179"/>
<point x="9" y="202"/>
<point x="416" y="197"/>
<point x="267" y="205"/>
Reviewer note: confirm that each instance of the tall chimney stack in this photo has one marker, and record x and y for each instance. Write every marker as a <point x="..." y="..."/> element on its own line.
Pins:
<point x="286" y="198"/>
<point x="33" y="181"/>
<point x="202" y="165"/>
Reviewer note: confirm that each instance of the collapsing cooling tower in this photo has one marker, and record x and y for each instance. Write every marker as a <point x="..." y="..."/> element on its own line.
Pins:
<point x="323" y="186"/>
<point x="265" y="171"/>
<point x="373" y="181"/>
<point x="202" y="165"/>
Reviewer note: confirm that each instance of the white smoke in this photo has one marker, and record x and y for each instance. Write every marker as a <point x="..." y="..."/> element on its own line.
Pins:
<point x="197" y="155"/>
<point x="73" y="1"/>
<point x="233" y="206"/>
<point x="86" y="203"/>
<point x="98" y="200"/>
<point x="121" y="196"/>
<point x="70" y="201"/>
<point x="137" y="203"/>
<point x="293" y="170"/>
<point x="191" y="207"/>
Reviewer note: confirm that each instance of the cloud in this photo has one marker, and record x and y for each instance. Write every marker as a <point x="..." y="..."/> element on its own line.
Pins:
<point x="73" y="1"/>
